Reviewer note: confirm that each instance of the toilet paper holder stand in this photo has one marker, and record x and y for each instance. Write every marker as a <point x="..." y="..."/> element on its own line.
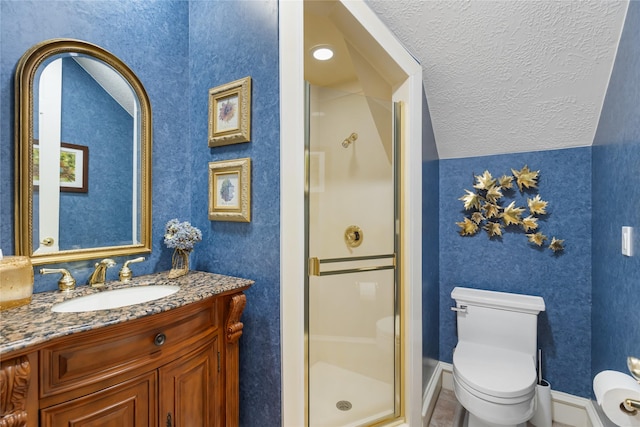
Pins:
<point x="632" y="406"/>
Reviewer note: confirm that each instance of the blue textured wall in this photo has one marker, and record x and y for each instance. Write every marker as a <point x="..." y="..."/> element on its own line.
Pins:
<point x="511" y="264"/>
<point x="229" y="41"/>
<point x="151" y="37"/>
<point x="91" y="117"/>
<point x="430" y="242"/>
<point x="616" y="203"/>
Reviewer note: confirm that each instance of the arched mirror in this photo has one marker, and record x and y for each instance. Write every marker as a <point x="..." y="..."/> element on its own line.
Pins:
<point x="83" y="155"/>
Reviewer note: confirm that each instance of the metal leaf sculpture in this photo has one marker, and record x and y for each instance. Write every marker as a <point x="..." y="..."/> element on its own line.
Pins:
<point x="486" y="211"/>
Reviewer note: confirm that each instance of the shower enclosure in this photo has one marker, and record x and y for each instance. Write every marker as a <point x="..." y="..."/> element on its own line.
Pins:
<point x="352" y="288"/>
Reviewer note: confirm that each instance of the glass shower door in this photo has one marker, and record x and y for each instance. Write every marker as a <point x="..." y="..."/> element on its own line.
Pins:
<point x="352" y="311"/>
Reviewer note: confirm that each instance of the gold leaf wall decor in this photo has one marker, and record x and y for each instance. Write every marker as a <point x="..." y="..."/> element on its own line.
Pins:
<point x="537" y="206"/>
<point x="529" y="223"/>
<point x="525" y="177"/>
<point x="511" y="214"/>
<point x="493" y="228"/>
<point x="491" y="210"/>
<point x="469" y="228"/>
<point x="556" y="245"/>
<point x="471" y="200"/>
<point x="477" y="217"/>
<point x="486" y="209"/>
<point x="494" y="194"/>
<point x="484" y="181"/>
<point x="506" y="182"/>
<point x="537" y="238"/>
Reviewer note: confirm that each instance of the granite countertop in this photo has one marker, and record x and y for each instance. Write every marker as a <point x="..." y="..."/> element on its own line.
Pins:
<point x="35" y="323"/>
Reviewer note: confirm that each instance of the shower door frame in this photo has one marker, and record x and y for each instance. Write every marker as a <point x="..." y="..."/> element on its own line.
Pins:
<point x="309" y="269"/>
<point x="408" y="87"/>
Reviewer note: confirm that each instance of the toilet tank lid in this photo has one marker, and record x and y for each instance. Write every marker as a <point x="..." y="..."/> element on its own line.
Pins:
<point x="501" y="300"/>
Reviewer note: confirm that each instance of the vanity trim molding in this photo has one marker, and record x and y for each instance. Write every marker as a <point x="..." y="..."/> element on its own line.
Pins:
<point x="15" y="376"/>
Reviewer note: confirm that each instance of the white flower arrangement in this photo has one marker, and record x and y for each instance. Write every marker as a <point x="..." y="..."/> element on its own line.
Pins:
<point x="181" y="235"/>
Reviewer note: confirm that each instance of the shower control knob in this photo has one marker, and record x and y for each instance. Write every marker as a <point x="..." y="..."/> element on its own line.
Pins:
<point x="353" y="236"/>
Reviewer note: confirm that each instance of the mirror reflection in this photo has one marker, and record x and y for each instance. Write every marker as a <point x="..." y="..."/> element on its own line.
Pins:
<point x="86" y="141"/>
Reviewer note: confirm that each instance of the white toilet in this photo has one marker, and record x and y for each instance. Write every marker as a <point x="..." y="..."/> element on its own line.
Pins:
<point x="494" y="362"/>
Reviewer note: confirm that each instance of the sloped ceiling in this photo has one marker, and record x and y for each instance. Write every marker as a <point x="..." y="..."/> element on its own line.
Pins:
<point x="510" y="76"/>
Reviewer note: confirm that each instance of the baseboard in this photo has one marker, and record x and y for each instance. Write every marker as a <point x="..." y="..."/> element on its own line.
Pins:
<point x="430" y="395"/>
<point x="566" y="408"/>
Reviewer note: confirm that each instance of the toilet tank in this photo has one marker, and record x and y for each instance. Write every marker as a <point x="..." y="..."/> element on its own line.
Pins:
<point x="498" y="319"/>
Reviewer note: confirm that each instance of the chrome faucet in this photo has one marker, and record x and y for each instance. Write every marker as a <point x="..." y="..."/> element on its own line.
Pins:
<point x="99" y="275"/>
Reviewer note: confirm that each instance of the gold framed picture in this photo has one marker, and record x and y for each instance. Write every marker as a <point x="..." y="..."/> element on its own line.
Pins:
<point x="230" y="190"/>
<point x="230" y="113"/>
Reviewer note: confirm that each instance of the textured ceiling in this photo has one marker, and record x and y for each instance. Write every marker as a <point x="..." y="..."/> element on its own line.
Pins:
<point x="510" y="76"/>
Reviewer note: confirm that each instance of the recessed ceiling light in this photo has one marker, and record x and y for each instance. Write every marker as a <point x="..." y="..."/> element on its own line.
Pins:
<point x="322" y="53"/>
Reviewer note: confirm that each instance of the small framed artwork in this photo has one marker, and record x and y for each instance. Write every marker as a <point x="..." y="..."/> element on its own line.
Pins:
<point x="74" y="167"/>
<point x="230" y="113"/>
<point x="230" y="190"/>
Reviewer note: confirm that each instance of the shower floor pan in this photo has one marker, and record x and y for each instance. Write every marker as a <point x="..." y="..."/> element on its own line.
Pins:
<point x="343" y="398"/>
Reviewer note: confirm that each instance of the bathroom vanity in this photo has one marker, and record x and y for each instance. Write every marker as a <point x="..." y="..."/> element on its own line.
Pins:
<point x="168" y="362"/>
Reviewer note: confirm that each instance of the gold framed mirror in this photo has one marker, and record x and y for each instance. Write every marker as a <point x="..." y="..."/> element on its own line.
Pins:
<point x="83" y="155"/>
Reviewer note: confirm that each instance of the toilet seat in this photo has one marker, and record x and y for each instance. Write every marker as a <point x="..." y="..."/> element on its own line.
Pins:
<point x="494" y="374"/>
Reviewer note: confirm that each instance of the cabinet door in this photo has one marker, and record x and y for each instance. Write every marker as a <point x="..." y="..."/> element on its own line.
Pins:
<point x="129" y="404"/>
<point x="188" y="389"/>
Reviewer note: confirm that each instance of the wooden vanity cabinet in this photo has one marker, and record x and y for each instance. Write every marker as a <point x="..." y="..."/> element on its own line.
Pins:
<point x="177" y="368"/>
<point x="187" y="391"/>
<point x="129" y="404"/>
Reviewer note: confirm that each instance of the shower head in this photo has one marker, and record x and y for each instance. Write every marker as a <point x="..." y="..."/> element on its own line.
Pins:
<point x="349" y="140"/>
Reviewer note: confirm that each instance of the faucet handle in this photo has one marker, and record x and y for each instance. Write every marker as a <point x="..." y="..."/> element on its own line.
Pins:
<point x="66" y="282"/>
<point x="125" y="272"/>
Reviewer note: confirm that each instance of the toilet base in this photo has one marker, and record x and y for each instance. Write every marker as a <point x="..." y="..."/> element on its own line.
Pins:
<point x="508" y="413"/>
<point x="471" y="420"/>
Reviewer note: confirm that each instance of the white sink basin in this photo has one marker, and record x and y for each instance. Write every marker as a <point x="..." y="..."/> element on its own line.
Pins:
<point x="115" y="298"/>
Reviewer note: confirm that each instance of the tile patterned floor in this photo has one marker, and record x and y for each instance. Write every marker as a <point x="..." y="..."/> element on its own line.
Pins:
<point x="446" y="408"/>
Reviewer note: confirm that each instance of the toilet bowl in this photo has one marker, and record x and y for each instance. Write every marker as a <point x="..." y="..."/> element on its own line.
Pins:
<point x="494" y="362"/>
<point x="496" y="388"/>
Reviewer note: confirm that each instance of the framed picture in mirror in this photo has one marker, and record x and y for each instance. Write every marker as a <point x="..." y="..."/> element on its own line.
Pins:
<point x="230" y="190"/>
<point x="230" y="113"/>
<point x="73" y="165"/>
